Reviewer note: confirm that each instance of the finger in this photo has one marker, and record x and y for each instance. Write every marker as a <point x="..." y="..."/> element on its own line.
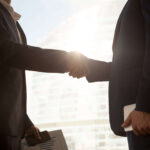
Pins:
<point x="136" y="132"/>
<point x="127" y="122"/>
<point x="73" y="74"/>
<point x="141" y="132"/>
<point x="136" y="129"/>
<point x="37" y="134"/>
<point x="77" y="73"/>
<point x="81" y="76"/>
<point x="86" y="68"/>
<point x="146" y="130"/>
<point x="78" y="76"/>
<point x="78" y="66"/>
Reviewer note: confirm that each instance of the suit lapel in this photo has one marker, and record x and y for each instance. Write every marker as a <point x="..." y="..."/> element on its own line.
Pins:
<point x="22" y="34"/>
<point x="10" y="22"/>
<point x="13" y="27"/>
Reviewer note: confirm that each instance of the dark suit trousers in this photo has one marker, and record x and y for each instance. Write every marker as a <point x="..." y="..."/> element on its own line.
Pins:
<point x="138" y="142"/>
<point x="10" y="143"/>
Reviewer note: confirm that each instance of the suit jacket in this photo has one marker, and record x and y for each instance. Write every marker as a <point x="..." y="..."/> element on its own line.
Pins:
<point x="14" y="60"/>
<point x="129" y="72"/>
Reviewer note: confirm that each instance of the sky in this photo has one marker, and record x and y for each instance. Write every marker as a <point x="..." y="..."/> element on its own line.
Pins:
<point x="86" y="26"/>
<point x="42" y="16"/>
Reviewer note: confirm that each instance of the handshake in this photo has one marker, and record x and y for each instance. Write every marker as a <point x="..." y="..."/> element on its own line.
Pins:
<point x="77" y="65"/>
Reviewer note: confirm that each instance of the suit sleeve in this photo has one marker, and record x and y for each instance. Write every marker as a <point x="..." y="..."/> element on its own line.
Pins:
<point x="28" y="122"/>
<point x="98" y="70"/>
<point x="28" y="57"/>
<point x="143" y="96"/>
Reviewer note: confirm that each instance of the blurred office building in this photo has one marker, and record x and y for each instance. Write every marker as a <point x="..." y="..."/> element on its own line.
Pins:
<point x="79" y="108"/>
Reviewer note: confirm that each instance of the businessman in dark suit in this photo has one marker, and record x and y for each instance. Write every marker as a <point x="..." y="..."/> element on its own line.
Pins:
<point x="16" y="57"/>
<point x="128" y="74"/>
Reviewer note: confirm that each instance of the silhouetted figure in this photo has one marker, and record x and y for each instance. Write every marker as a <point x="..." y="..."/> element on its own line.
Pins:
<point x="16" y="57"/>
<point x="128" y="74"/>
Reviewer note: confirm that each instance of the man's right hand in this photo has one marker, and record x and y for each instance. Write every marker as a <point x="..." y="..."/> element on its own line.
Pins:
<point x="77" y="65"/>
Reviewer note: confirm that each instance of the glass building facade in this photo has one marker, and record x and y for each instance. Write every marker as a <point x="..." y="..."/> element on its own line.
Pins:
<point x="79" y="108"/>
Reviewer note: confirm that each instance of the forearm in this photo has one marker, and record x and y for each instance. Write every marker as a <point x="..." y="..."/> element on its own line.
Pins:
<point x="32" y="58"/>
<point x="98" y="70"/>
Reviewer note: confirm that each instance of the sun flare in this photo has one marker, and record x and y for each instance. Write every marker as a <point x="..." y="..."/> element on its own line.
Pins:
<point x="83" y="32"/>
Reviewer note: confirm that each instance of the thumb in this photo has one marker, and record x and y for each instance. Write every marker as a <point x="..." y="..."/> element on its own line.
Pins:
<point x="127" y="122"/>
<point x="37" y="134"/>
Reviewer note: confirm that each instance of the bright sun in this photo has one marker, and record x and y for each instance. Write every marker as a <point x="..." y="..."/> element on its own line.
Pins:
<point x="83" y="32"/>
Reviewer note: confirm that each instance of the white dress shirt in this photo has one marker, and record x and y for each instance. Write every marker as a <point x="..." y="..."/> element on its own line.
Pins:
<point x="14" y="15"/>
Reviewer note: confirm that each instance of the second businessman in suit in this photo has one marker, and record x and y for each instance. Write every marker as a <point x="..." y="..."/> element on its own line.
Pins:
<point x="128" y="74"/>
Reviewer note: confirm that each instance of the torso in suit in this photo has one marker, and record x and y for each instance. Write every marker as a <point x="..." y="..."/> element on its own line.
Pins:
<point x="130" y="64"/>
<point x="15" y="58"/>
<point x="128" y="56"/>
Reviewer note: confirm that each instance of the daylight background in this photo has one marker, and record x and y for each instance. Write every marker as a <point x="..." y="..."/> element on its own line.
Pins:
<point x="57" y="101"/>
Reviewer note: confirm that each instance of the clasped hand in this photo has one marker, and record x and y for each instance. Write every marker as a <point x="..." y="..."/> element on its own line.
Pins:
<point x="77" y="65"/>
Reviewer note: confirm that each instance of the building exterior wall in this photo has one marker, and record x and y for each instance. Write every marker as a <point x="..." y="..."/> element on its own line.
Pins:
<point x="79" y="108"/>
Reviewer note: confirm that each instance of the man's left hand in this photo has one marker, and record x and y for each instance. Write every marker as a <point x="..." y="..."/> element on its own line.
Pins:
<point x="140" y="122"/>
<point x="33" y="131"/>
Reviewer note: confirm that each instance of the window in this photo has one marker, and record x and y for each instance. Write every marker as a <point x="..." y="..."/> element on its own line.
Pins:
<point x="57" y="101"/>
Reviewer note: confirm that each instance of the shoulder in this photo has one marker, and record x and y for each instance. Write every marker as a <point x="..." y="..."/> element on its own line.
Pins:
<point x="3" y="11"/>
